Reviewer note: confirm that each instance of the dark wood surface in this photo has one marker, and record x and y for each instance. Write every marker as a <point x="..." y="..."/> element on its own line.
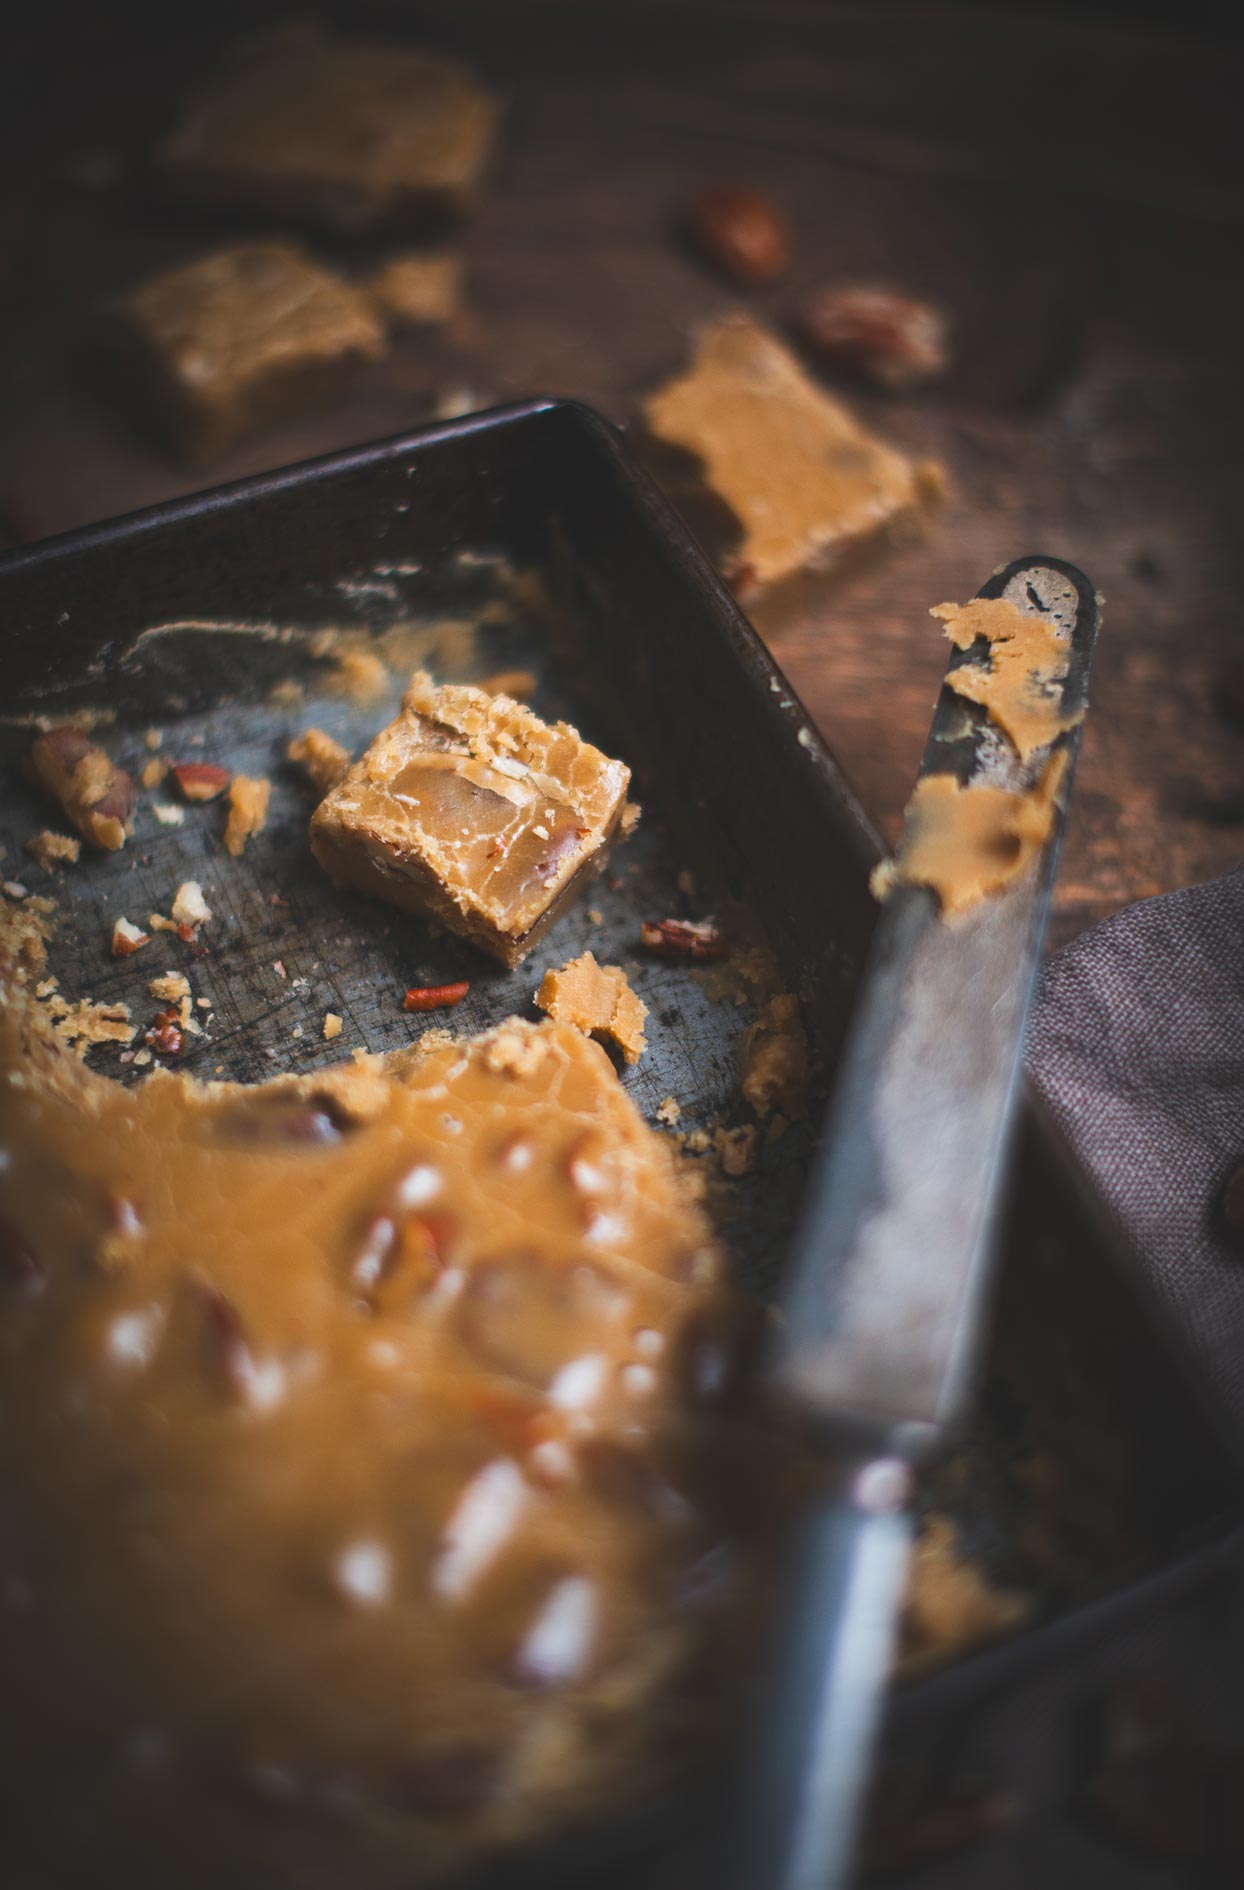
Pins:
<point x="1071" y="193"/>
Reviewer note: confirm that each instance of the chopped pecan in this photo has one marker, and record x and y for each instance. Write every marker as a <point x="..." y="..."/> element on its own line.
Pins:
<point x="165" y="1035"/>
<point x="200" y="780"/>
<point x="742" y="231"/>
<point x="890" y="338"/>
<point x="127" y="938"/>
<point x="434" y="997"/>
<point x="683" y="938"/>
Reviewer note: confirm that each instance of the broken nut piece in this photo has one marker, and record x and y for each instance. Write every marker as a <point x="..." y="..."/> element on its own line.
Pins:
<point x="889" y="338"/>
<point x="199" y="780"/>
<point x="683" y="938"/>
<point x="127" y="938"/>
<point x="742" y="231"/>
<point x="98" y="798"/>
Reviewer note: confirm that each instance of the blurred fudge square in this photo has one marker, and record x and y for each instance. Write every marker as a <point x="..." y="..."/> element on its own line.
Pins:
<point x="242" y="340"/>
<point x="471" y="811"/>
<point x="336" y="134"/>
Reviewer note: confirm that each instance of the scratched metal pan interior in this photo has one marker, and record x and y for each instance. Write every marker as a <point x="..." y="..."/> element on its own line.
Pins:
<point x="529" y="539"/>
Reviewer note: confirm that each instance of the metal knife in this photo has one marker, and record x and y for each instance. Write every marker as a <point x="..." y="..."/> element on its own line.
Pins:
<point x="885" y="1295"/>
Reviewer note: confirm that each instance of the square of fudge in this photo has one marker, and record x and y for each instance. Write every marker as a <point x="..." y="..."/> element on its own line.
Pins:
<point x="471" y="811"/>
<point x="240" y="340"/>
<point x="335" y="133"/>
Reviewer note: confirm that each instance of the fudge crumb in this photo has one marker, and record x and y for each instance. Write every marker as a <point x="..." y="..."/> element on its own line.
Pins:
<point x="168" y="813"/>
<point x="629" y="819"/>
<point x="698" y="1141"/>
<point x="152" y="738"/>
<point x="189" y="906"/>
<point x="127" y="938"/>
<point x="595" y="916"/>
<point x="775" y="1059"/>
<point x="669" y="1111"/>
<point x="332" y="1026"/>
<point x="361" y="676"/>
<point x="86" y="1023"/>
<point x="514" y="1049"/>
<point x="737" y="1149"/>
<point x="153" y="773"/>
<point x="518" y="684"/>
<point x="170" y="988"/>
<point x="420" y="289"/>
<point x="46" y="986"/>
<point x="597" y="1000"/>
<point x="49" y="850"/>
<point x="287" y="694"/>
<point x="324" y="759"/>
<point x="142" y="1058"/>
<point x="248" y="810"/>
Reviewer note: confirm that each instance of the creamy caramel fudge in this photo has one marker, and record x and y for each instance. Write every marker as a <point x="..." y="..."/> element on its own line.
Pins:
<point x="471" y="811"/>
<point x="223" y="347"/>
<point x="1026" y="659"/>
<point x="598" y="1000"/>
<point x="800" y="473"/>
<point x="966" y="842"/>
<point x="365" y="1437"/>
<point x="332" y="132"/>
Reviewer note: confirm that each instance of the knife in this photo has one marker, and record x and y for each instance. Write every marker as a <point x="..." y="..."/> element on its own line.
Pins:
<point x="885" y="1294"/>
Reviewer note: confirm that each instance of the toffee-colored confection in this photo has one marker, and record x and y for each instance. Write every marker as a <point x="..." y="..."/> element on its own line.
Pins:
<point x="411" y="291"/>
<point x="597" y="1000"/>
<point x="97" y="797"/>
<point x="224" y="347"/>
<point x="348" y="1452"/>
<point x="323" y="757"/>
<point x="471" y="811"/>
<point x="1018" y="682"/>
<point x="335" y="133"/>
<point x="248" y="810"/>
<point x="803" y="477"/>
<point x="775" y="1058"/>
<point x="965" y="843"/>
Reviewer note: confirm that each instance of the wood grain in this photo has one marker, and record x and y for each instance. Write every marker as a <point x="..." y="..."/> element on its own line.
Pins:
<point x="1071" y="194"/>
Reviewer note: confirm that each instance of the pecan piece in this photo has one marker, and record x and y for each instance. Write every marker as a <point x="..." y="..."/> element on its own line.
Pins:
<point x="165" y="1035"/>
<point x="683" y="938"/>
<point x="889" y="338"/>
<point x="434" y="997"/>
<point x="200" y="780"/>
<point x="98" y="798"/>
<point x="742" y="231"/>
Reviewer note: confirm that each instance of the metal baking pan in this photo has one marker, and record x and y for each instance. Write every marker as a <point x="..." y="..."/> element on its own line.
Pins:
<point x="530" y="538"/>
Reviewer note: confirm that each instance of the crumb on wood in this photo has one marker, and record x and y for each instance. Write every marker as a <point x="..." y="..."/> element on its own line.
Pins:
<point x="360" y="675"/>
<point x="189" y="906"/>
<point x="50" y="850"/>
<point x="170" y="988"/>
<point x="332" y="1026"/>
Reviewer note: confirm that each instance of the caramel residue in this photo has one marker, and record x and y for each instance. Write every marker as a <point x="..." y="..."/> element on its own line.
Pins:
<point x="775" y="1059"/>
<point x="597" y="1000"/>
<point x="85" y="1023"/>
<point x="248" y="810"/>
<point x="324" y="759"/>
<point x="1019" y="684"/>
<point x="804" y="478"/>
<point x="50" y="850"/>
<point x="967" y="842"/>
<point x="951" y="1603"/>
<point x="737" y="1149"/>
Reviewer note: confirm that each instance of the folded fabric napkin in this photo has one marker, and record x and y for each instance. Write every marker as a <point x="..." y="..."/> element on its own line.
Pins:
<point x="1137" y="1045"/>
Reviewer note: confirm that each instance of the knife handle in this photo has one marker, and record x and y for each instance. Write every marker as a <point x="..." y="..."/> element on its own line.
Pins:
<point x="817" y="1724"/>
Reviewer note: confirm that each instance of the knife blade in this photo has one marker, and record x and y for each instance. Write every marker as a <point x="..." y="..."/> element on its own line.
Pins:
<point x="885" y="1294"/>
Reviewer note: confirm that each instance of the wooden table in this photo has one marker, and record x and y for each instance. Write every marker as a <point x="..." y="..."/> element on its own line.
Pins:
<point x="1069" y="193"/>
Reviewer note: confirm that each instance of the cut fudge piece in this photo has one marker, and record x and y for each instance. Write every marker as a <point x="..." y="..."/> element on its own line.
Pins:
<point x="413" y="290"/>
<point x="800" y="473"/>
<point x="597" y="1000"/>
<point x="241" y="340"/>
<point x="470" y="810"/>
<point x="338" y="134"/>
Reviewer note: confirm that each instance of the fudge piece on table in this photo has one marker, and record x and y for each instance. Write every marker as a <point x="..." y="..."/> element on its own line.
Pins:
<point x="597" y="1000"/>
<point x="241" y="340"/>
<point x="471" y="811"/>
<point x="804" y="479"/>
<point x="337" y="134"/>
